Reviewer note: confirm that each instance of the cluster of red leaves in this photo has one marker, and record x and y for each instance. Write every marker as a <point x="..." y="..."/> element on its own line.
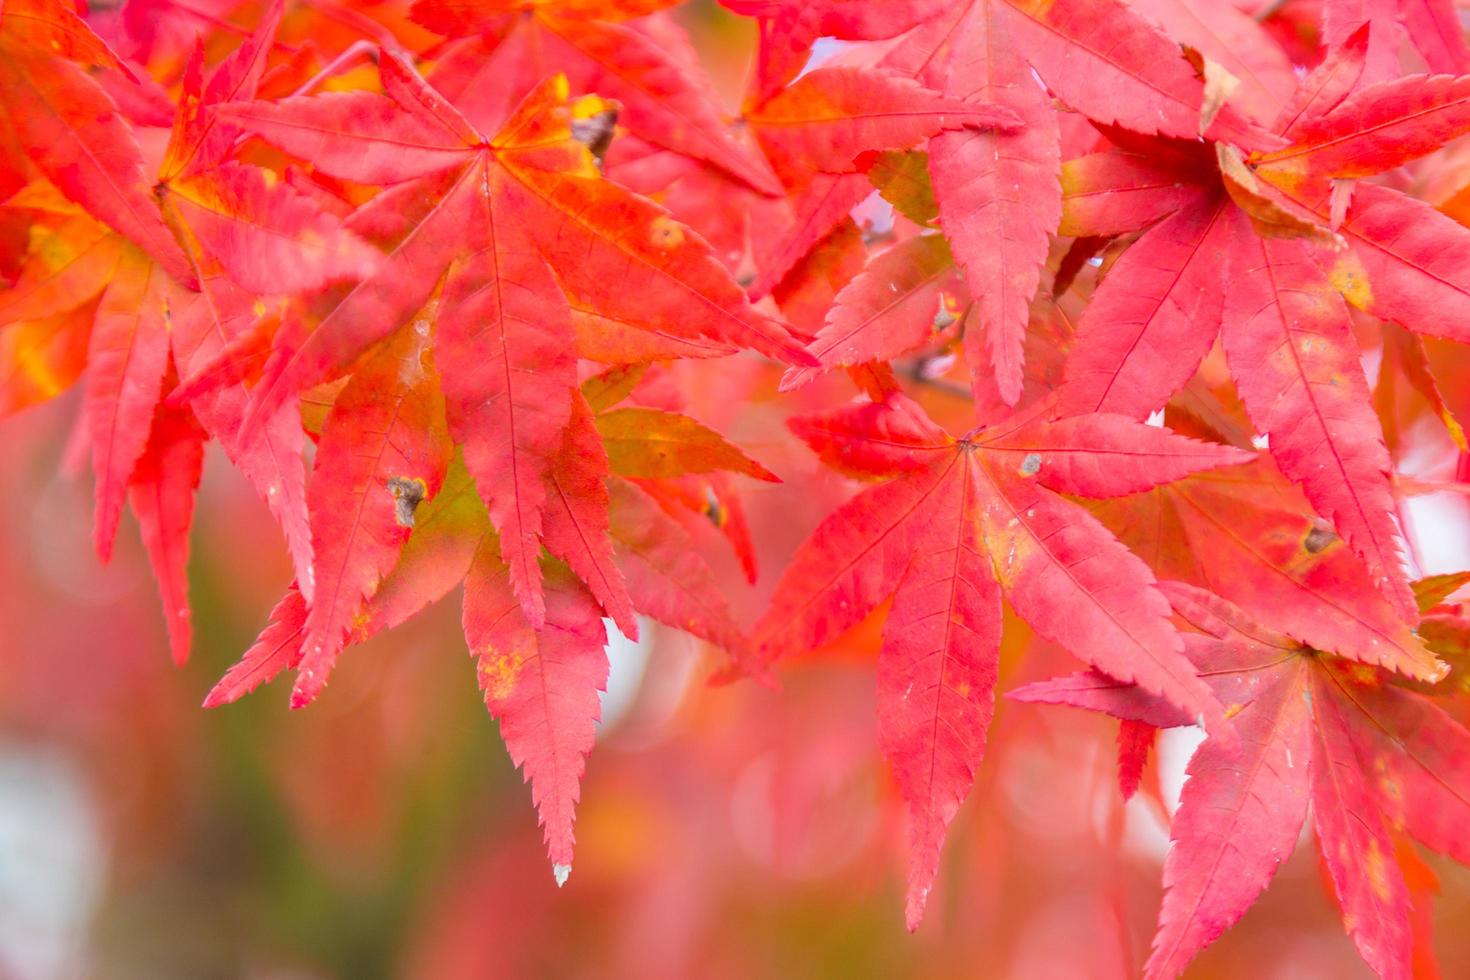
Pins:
<point x="458" y="244"/>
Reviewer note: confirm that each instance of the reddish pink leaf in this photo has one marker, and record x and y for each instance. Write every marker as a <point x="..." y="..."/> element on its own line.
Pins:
<point x="1249" y="535"/>
<point x="1096" y="691"/>
<point x="1356" y="844"/>
<point x="1101" y="455"/>
<point x="897" y="303"/>
<point x="357" y="135"/>
<point x="1291" y="348"/>
<point x="126" y="362"/>
<point x="937" y="673"/>
<point x="1076" y="585"/>
<point x="1327" y="85"/>
<point x="1241" y="810"/>
<point x="278" y="649"/>
<point x="1234" y="40"/>
<point x="509" y="372"/>
<point x="576" y="527"/>
<point x="384" y="449"/>
<point x="1375" y="129"/>
<point x="272" y="461"/>
<point x="996" y="187"/>
<point x="1407" y="263"/>
<point x="825" y="119"/>
<point x="873" y="439"/>
<point x="1154" y="316"/>
<point x="162" y="498"/>
<point x="1105" y="60"/>
<point x="821" y="206"/>
<point x="269" y="238"/>
<point x="1112" y="192"/>
<point x="542" y="685"/>
<point x="850" y="563"/>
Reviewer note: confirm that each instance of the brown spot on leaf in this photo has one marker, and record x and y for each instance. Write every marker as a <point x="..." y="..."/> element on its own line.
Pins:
<point x="1318" y="539"/>
<point x="596" y="132"/>
<point x="713" y="509"/>
<point x="945" y="316"/>
<point x="408" y="492"/>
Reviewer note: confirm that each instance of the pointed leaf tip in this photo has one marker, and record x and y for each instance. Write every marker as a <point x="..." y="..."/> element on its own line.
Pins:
<point x="561" y="872"/>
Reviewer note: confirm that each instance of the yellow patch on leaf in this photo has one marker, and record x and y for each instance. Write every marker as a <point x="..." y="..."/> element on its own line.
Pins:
<point x="499" y="671"/>
<point x="1349" y="278"/>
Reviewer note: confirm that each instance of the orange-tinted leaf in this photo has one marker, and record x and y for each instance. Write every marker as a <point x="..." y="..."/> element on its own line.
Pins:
<point x="72" y="133"/>
<point x="39" y="359"/>
<point x="825" y="119"/>
<point x="650" y="444"/>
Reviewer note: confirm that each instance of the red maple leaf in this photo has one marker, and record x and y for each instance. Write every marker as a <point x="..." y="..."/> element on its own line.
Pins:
<point x="1371" y="758"/>
<point x="956" y="525"/>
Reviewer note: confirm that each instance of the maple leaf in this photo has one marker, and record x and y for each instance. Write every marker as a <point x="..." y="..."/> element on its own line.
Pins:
<point x="1003" y="185"/>
<point x="957" y="524"/>
<point x="542" y="684"/>
<point x="532" y="240"/>
<point x="1286" y="333"/>
<point x="820" y="132"/>
<point x="384" y="449"/>
<point x="644" y="66"/>
<point x="69" y="128"/>
<point x="466" y="291"/>
<point x="1251" y="536"/>
<point x="229" y="232"/>
<point x="790" y="27"/>
<point x="1370" y="758"/>
<point x="991" y="186"/>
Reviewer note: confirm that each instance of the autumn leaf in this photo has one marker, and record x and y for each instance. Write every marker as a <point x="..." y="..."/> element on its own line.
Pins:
<point x="961" y="523"/>
<point x="1140" y="344"/>
<point x="992" y="186"/>
<point x="384" y="450"/>
<point x="643" y="65"/>
<point x="1370" y="757"/>
<point x="535" y="206"/>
